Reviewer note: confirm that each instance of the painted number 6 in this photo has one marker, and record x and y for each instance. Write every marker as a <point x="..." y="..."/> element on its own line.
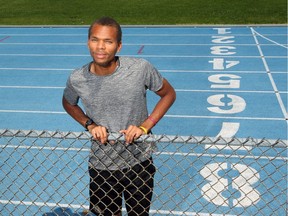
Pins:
<point x="234" y="104"/>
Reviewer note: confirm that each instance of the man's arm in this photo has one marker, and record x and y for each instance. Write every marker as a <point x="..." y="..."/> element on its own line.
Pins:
<point x="75" y="111"/>
<point x="167" y="97"/>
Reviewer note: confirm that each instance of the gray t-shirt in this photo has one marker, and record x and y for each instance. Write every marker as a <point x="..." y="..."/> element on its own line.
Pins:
<point x="115" y="101"/>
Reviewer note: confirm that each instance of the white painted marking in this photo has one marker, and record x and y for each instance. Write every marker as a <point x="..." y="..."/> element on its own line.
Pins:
<point x="229" y="129"/>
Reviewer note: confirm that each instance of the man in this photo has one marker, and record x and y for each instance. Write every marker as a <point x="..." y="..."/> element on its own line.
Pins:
<point x="113" y="93"/>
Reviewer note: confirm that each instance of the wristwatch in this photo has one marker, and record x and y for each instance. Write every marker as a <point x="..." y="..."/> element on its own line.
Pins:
<point x="88" y="122"/>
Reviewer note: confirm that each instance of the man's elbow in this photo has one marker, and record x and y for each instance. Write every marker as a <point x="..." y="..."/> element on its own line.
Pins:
<point x="173" y="95"/>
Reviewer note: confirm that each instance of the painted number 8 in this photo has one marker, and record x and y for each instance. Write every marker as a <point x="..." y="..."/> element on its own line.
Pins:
<point x="230" y="184"/>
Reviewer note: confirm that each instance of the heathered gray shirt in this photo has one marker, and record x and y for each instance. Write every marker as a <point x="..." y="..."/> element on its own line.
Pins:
<point x="115" y="101"/>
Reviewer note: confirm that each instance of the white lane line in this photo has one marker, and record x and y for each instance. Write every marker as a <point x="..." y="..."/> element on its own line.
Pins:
<point x="280" y="101"/>
<point x="167" y="116"/>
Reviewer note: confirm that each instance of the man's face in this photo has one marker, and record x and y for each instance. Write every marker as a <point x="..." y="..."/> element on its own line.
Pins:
<point x="103" y="44"/>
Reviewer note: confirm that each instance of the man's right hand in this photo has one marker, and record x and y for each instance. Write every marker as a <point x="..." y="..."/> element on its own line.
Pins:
<point x="99" y="133"/>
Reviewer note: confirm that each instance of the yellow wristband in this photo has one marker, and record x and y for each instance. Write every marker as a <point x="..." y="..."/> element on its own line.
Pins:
<point x="144" y="129"/>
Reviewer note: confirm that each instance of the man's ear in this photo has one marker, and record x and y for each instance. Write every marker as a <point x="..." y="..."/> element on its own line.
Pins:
<point x="119" y="46"/>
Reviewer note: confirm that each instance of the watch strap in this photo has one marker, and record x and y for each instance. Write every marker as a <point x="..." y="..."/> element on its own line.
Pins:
<point x="88" y="122"/>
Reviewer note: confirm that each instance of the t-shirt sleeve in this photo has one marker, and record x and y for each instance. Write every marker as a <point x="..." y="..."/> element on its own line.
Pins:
<point x="153" y="78"/>
<point x="70" y="94"/>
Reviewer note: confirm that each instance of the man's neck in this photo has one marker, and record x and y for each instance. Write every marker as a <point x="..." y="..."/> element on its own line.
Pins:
<point x="104" y="70"/>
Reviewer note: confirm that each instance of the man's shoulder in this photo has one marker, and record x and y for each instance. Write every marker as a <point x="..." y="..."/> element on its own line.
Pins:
<point x="129" y="61"/>
<point x="80" y="71"/>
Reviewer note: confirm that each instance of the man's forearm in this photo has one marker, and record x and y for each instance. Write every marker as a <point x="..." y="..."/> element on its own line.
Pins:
<point x="75" y="112"/>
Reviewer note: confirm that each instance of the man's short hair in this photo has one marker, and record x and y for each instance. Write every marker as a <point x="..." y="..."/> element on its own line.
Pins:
<point x="107" y="21"/>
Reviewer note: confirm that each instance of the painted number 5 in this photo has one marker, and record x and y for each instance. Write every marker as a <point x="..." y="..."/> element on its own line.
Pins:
<point x="225" y="81"/>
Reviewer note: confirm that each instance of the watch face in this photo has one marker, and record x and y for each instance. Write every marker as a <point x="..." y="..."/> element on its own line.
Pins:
<point x="88" y="122"/>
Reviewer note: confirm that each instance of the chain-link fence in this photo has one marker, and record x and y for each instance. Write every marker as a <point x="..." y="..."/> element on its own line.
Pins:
<point x="46" y="173"/>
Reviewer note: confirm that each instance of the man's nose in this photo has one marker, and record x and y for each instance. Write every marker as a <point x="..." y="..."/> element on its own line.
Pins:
<point x="101" y="45"/>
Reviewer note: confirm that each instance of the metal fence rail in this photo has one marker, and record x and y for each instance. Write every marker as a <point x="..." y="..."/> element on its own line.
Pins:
<point x="46" y="173"/>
